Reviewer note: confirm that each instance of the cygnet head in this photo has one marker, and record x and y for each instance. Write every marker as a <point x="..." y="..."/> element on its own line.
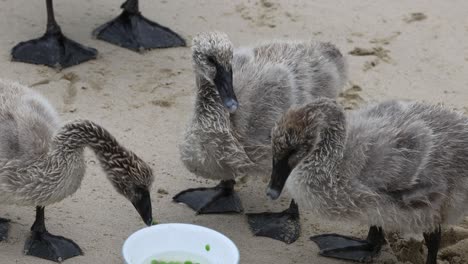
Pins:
<point x="294" y="135"/>
<point x="132" y="177"/>
<point x="212" y="54"/>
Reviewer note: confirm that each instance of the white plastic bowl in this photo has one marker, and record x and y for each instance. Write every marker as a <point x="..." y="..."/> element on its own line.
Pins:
<point x="185" y="238"/>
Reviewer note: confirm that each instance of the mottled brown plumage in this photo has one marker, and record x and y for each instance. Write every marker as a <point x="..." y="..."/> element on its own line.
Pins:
<point x="43" y="164"/>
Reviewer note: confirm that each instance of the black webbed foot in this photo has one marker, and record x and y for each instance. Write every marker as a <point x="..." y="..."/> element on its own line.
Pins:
<point x="4" y="226"/>
<point x="133" y="31"/>
<point x="217" y="200"/>
<point x="54" y="50"/>
<point x="284" y="226"/>
<point x="44" y="245"/>
<point x="348" y="248"/>
<point x="47" y="246"/>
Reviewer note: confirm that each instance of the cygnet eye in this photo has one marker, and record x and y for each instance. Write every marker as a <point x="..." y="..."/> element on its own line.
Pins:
<point x="293" y="158"/>
<point x="211" y="59"/>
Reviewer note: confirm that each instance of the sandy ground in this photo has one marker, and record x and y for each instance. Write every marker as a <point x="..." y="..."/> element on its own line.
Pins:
<point x="145" y="101"/>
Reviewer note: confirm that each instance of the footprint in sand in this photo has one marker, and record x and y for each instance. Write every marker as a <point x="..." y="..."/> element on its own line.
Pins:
<point x="350" y="98"/>
<point x="263" y="15"/>
<point x="379" y="52"/>
<point x="162" y="103"/>
<point x="414" y="17"/>
<point x="71" y="89"/>
<point x="70" y="95"/>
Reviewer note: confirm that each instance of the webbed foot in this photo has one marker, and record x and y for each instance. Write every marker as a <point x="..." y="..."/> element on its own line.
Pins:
<point x="348" y="248"/>
<point x="44" y="245"/>
<point x="47" y="246"/>
<point x="284" y="226"/>
<point x="133" y="31"/>
<point x="54" y="50"/>
<point x="216" y="200"/>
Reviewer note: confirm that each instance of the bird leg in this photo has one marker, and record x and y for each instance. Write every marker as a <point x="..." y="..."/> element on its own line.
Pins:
<point x="348" y="248"/>
<point x="44" y="245"/>
<point x="432" y="244"/>
<point x="4" y="226"/>
<point x="283" y="226"/>
<point x="53" y="48"/>
<point x="216" y="200"/>
<point x="133" y="31"/>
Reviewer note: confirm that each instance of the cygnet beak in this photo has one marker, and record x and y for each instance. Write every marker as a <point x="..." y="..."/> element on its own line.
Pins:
<point x="223" y="83"/>
<point x="279" y="175"/>
<point x="143" y="206"/>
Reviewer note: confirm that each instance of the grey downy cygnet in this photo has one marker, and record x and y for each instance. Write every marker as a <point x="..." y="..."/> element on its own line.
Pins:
<point x="395" y="166"/>
<point x="42" y="163"/>
<point x="240" y="94"/>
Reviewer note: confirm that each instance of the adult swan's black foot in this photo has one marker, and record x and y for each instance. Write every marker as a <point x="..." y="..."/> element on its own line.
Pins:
<point x="44" y="245"/>
<point x="348" y="248"/>
<point x="284" y="226"/>
<point x="133" y="31"/>
<point x="4" y="226"/>
<point x="53" y="49"/>
<point x="217" y="200"/>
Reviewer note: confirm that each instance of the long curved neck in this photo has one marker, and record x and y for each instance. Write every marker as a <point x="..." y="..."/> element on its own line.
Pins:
<point x="211" y="125"/>
<point x="208" y="104"/>
<point x="316" y="181"/>
<point x="57" y="174"/>
<point x="76" y="135"/>
<point x="328" y="153"/>
<point x="65" y="159"/>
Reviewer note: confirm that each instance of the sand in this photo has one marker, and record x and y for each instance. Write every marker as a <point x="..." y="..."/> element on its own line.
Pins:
<point x="419" y="52"/>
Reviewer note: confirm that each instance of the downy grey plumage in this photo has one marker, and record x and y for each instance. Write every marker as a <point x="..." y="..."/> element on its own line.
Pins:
<point x="42" y="163"/>
<point x="226" y="141"/>
<point x="398" y="165"/>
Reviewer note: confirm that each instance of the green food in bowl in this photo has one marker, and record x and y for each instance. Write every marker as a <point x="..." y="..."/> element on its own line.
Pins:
<point x="207" y="247"/>
<point x="172" y="262"/>
<point x="176" y="257"/>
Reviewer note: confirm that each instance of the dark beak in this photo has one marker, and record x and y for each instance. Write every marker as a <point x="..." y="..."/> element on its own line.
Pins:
<point x="279" y="175"/>
<point x="143" y="206"/>
<point x="223" y="82"/>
